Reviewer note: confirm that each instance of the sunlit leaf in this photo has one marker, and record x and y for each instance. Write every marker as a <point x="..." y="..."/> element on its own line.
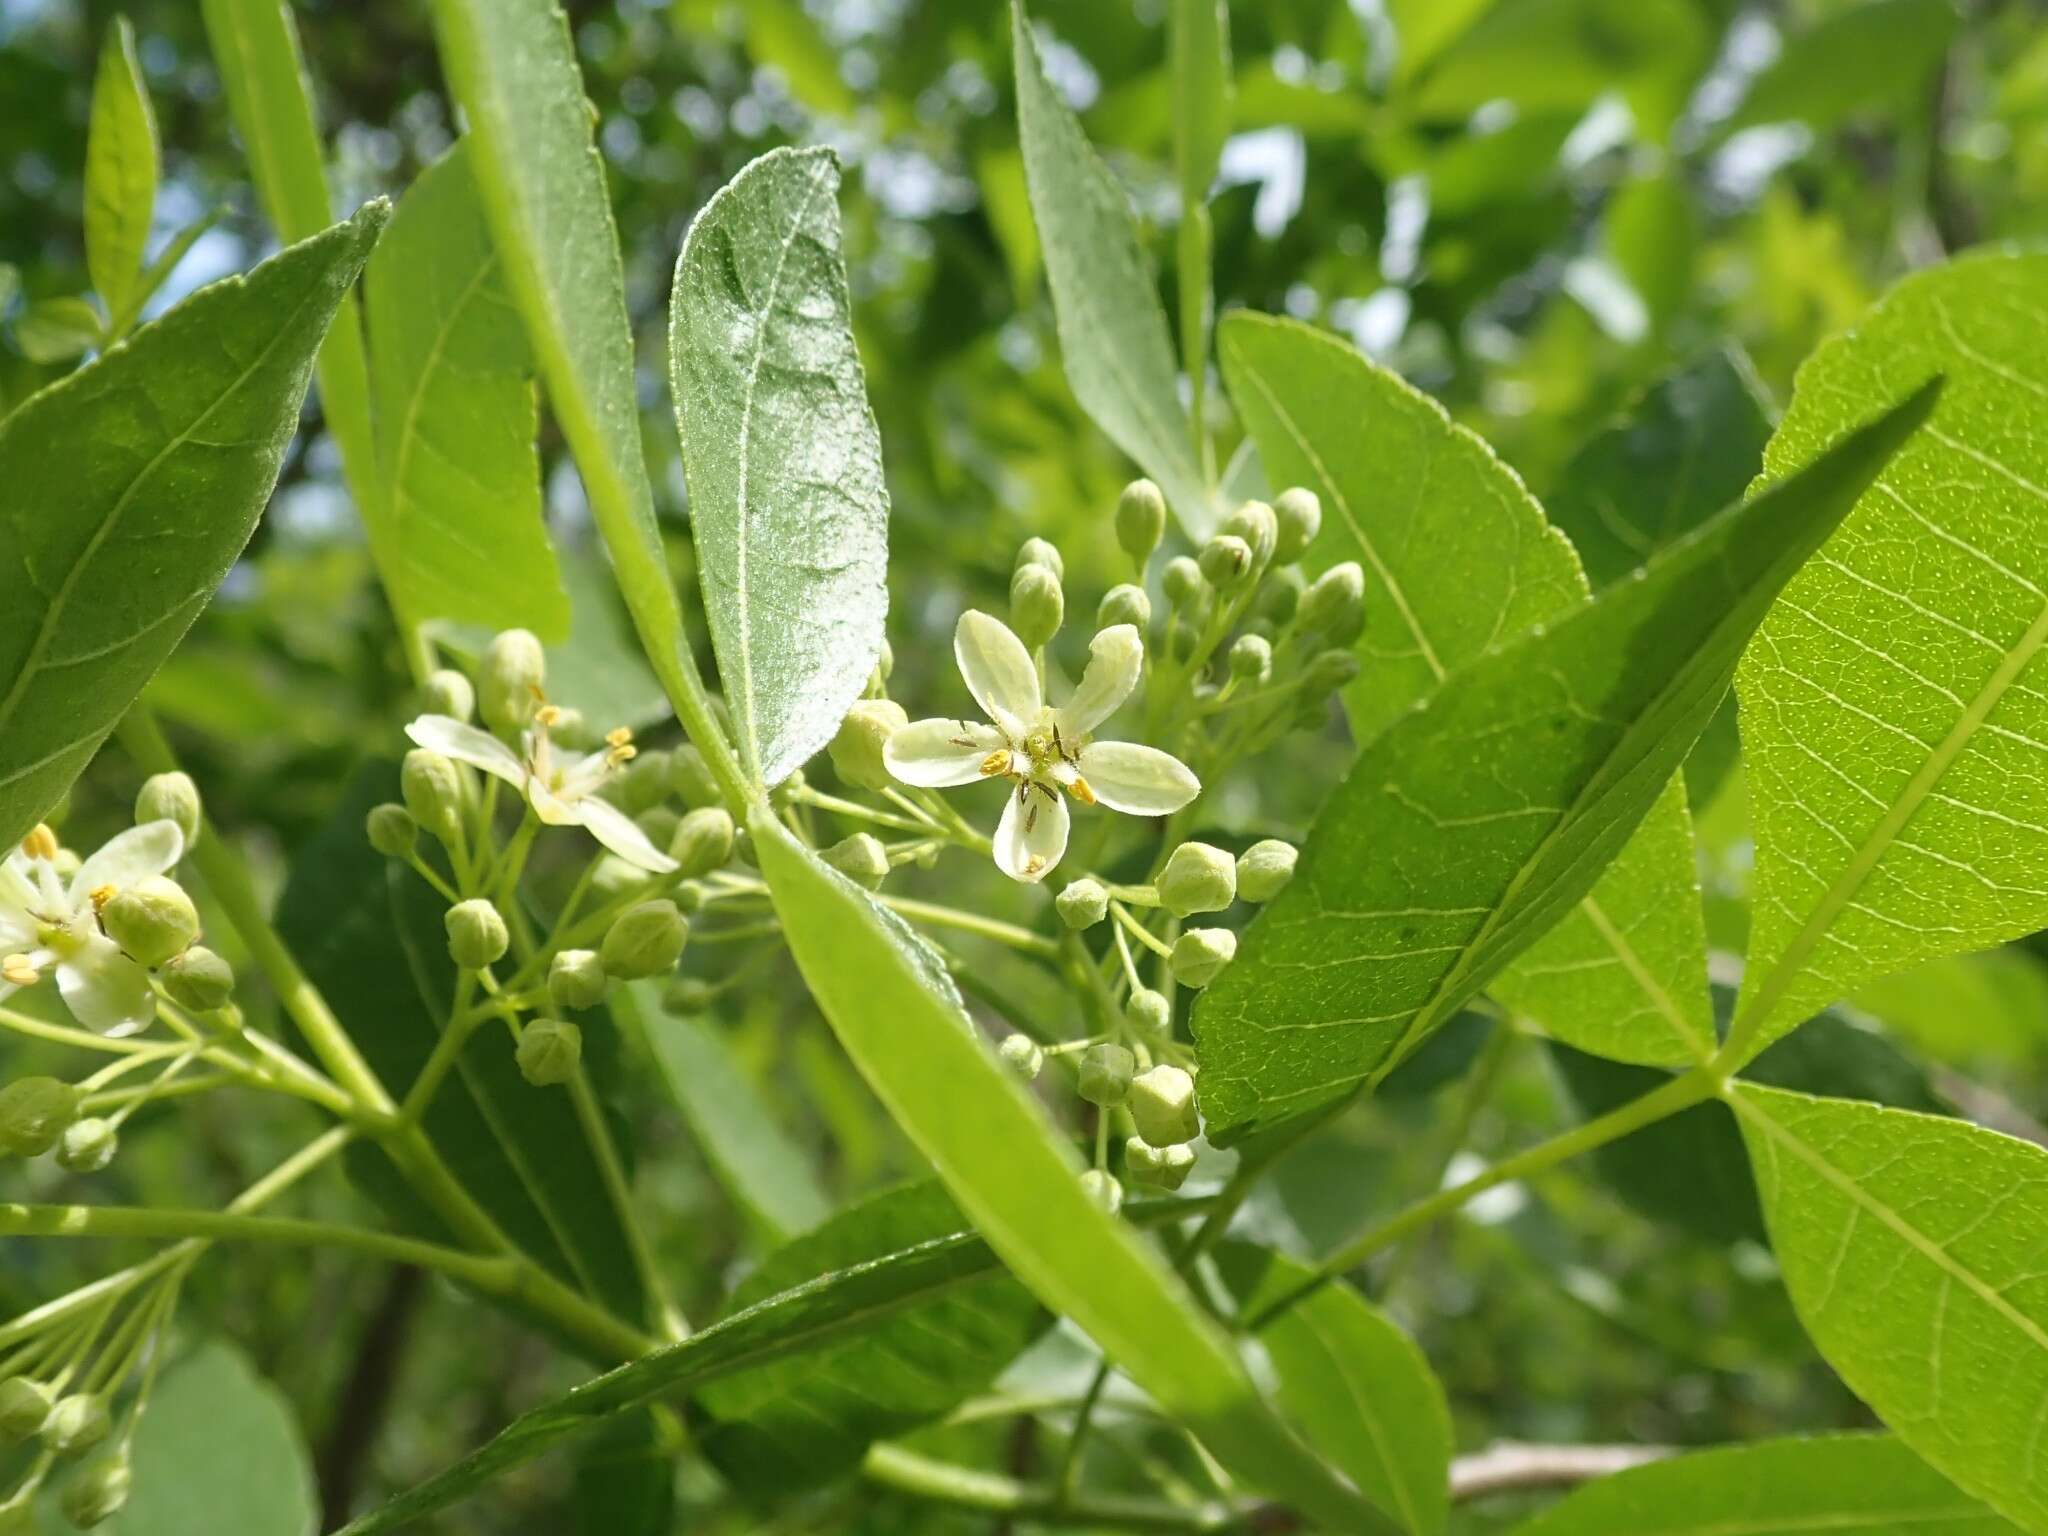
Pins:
<point x="120" y="169"/>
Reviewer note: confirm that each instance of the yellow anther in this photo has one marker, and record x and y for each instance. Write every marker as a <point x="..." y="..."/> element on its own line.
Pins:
<point x="996" y="762"/>
<point x="624" y="752"/>
<point x="40" y="843"/>
<point x="548" y="716"/>
<point x="1080" y="791"/>
<point x="16" y="971"/>
<point x="619" y="736"/>
<point x="100" y="895"/>
<point x="1034" y="865"/>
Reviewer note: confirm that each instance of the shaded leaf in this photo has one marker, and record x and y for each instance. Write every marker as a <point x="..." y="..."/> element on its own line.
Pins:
<point x="1198" y="44"/>
<point x="58" y="330"/>
<point x="1874" y="56"/>
<point x="120" y="170"/>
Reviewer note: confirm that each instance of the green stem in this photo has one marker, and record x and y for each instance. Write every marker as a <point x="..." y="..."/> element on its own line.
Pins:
<point x="943" y="1482"/>
<point x="590" y="1115"/>
<point x="1084" y="1420"/>
<point x="462" y="1022"/>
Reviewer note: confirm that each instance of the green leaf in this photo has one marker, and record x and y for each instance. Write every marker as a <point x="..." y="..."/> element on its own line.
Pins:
<point x="132" y="486"/>
<point x="120" y="170"/>
<point x="1198" y="43"/>
<point x="1847" y="1485"/>
<point x="1913" y="1250"/>
<point x="1113" y="333"/>
<point x="59" y="329"/>
<point x="451" y="376"/>
<point x="626" y="1475"/>
<point x="807" y="1419"/>
<point x="1875" y="56"/>
<point x="368" y="932"/>
<point x="897" y="1015"/>
<point x="1895" y="705"/>
<point x="1357" y="1386"/>
<point x="783" y="457"/>
<point x="1471" y="826"/>
<point x="1989" y="1008"/>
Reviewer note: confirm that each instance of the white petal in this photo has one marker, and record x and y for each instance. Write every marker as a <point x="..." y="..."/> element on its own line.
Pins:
<point x="104" y="989"/>
<point x="998" y="670"/>
<point x="1032" y="836"/>
<point x="466" y="744"/>
<point x="1115" y="658"/>
<point x="583" y="776"/>
<point x="938" y="754"/>
<point x="17" y="902"/>
<point x="1140" y="781"/>
<point x="150" y="849"/>
<point x="618" y="832"/>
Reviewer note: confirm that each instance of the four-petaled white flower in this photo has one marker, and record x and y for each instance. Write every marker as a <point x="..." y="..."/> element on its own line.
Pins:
<point x="1040" y="749"/>
<point x="562" y="791"/>
<point x="50" y="923"/>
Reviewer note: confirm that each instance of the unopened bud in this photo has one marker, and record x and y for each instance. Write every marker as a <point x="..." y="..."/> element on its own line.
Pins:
<point x="1279" y="596"/>
<point x="885" y="662"/>
<point x="87" y="1145"/>
<point x="97" y="1492"/>
<point x="1106" y="1074"/>
<point x="690" y="777"/>
<point x="1037" y="605"/>
<point x="1040" y="552"/>
<point x="1255" y="523"/>
<point x="1083" y="904"/>
<point x="1022" y="1055"/>
<point x="1200" y="954"/>
<point x="1299" y="516"/>
<point x="1182" y="583"/>
<point x="687" y="995"/>
<point x="476" y="933"/>
<point x="448" y="692"/>
<point x="1264" y="869"/>
<point x="77" y="1424"/>
<point x="646" y="940"/>
<point x="861" y="858"/>
<point x="573" y="731"/>
<point x="198" y="979"/>
<point x="1198" y="878"/>
<point x="1140" y="519"/>
<point x="1328" y="671"/>
<point x="1251" y="658"/>
<point x="1158" y="1167"/>
<point x="549" y="1050"/>
<point x="1103" y="1190"/>
<point x="33" y="1114"/>
<point x="643" y="785"/>
<point x="391" y="830"/>
<point x="856" y="749"/>
<point x="509" y="681"/>
<point x="171" y="797"/>
<point x="1126" y="604"/>
<point x="1151" y="1015"/>
<point x="576" y="979"/>
<point x="1334" y="604"/>
<point x="1162" y="1105"/>
<point x="151" y="920"/>
<point x="688" y="897"/>
<point x="659" y="823"/>
<point x="24" y="1405"/>
<point x="431" y="787"/>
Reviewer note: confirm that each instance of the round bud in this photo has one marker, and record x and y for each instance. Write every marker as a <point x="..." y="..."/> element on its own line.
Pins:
<point x="1334" y="604"/>
<point x="688" y="994"/>
<point x="448" y="692"/>
<point x="688" y="897"/>
<point x="659" y="823"/>
<point x="1200" y="954"/>
<point x="1279" y="595"/>
<point x="646" y="940"/>
<point x="612" y="877"/>
<point x="391" y="829"/>
<point x="1126" y="604"/>
<point x="87" y="1145"/>
<point x="1158" y="1167"/>
<point x="1264" y="869"/>
<point x="1022" y="1055"/>
<point x="1162" y="1105"/>
<point x="1106" y="1074"/>
<point x="643" y="784"/>
<point x="1151" y="1015"/>
<point x="1251" y="658"/>
<point x="1140" y="519"/>
<point x="576" y="979"/>
<point x="1255" y="523"/>
<point x="1036" y="604"/>
<point x="509" y="681"/>
<point x="1103" y="1190"/>
<point x="431" y="787"/>
<point x="76" y="1424"/>
<point x="857" y="748"/>
<point x="861" y="858"/>
<point x="690" y="777"/>
<point x="151" y="920"/>
<point x="476" y="933"/>
<point x="885" y="662"/>
<point x="1226" y="560"/>
<point x="1198" y="878"/>
<point x="1299" y="518"/>
<point x="1083" y="904"/>
<point x="199" y="979"/>
<point x="549" y="1050"/>
<point x="24" y="1404"/>
<point x="1039" y="552"/>
<point x="33" y="1114"/>
<point x="170" y="797"/>
<point x="573" y="731"/>
<point x="1182" y="582"/>
<point x="1327" y="671"/>
<point x="98" y="1492"/>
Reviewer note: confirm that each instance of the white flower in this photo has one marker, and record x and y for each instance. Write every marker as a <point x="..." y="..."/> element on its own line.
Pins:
<point x="1042" y="750"/>
<point x="48" y="922"/>
<point x="563" y="793"/>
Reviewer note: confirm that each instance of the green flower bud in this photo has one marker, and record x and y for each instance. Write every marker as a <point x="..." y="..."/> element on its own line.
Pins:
<point x="1264" y="869"/>
<point x="1151" y="1015"/>
<point x="688" y="897"/>
<point x="1022" y="1055"/>
<point x="1126" y="604"/>
<point x="643" y="784"/>
<point x="1037" y="605"/>
<point x="24" y="1404"/>
<point x="170" y="797"/>
<point x="549" y="1050"/>
<point x="1198" y="878"/>
<point x="1251" y="658"/>
<point x="576" y="979"/>
<point x="613" y="877"/>
<point x="1255" y="523"/>
<point x="659" y="823"/>
<point x="1334" y="604"/>
<point x="646" y="940"/>
<point x="573" y="731"/>
<point x="1158" y="1167"/>
<point x="1226" y="560"/>
<point x="1279" y="596"/>
<point x="861" y="858"/>
<point x="885" y="662"/>
<point x="1083" y="904"/>
<point x="33" y="1114"/>
<point x="431" y="787"/>
<point x="87" y="1145"/>
<point x="1162" y="1103"/>
<point x="1200" y="954"/>
<point x="509" y="682"/>
<point x="77" y="1424"/>
<point x="391" y="830"/>
<point x="1039" y="552"/>
<point x="476" y="933"/>
<point x="198" y="979"/>
<point x="1106" y="1074"/>
<point x="1299" y="518"/>
<point x="690" y="777"/>
<point x="857" y="748"/>
<point x="1327" y="671"/>
<point x="1183" y="583"/>
<point x="448" y="692"/>
<point x="151" y="920"/>
<point x="1140" y="519"/>
<point x="1103" y="1190"/>
<point x="688" y="994"/>
<point x="98" y="1492"/>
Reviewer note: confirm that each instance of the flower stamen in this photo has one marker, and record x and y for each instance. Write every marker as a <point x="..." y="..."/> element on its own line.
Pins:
<point x="100" y="895"/>
<point x="41" y="843"/>
<point x="1080" y="791"/>
<point x="996" y="763"/>
<point x="16" y="971"/>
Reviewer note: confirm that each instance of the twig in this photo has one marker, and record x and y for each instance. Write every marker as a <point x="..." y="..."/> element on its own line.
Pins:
<point x="1509" y="1466"/>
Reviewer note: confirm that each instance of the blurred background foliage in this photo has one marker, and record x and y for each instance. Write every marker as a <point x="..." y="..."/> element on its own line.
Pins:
<point x="1535" y="209"/>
